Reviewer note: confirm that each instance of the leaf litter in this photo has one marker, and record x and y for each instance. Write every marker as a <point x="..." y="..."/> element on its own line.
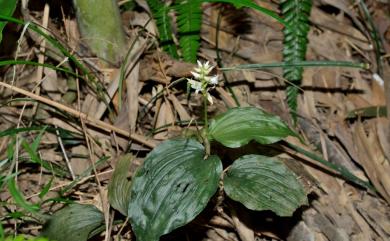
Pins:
<point x="154" y="106"/>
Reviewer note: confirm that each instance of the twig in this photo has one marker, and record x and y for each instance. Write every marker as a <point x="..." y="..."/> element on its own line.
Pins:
<point x="89" y="120"/>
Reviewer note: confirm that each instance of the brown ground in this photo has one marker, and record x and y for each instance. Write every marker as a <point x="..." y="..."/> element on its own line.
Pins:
<point x="338" y="211"/>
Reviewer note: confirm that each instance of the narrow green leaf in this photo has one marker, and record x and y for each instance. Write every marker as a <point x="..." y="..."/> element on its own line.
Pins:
<point x="75" y="222"/>
<point x="119" y="187"/>
<point x="172" y="187"/>
<point x="309" y="63"/>
<point x="34" y="155"/>
<point x="7" y="8"/>
<point x="238" y="126"/>
<point x="368" y="112"/>
<point x="264" y="183"/>
<point x="46" y="188"/>
<point x="37" y="140"/>
<point x="19" y="198"/>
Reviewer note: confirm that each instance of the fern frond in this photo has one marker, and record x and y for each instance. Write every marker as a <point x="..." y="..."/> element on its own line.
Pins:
<point x="160" y="12"/>
<point x="296" y="13"/>
<point x="189" y="20"/>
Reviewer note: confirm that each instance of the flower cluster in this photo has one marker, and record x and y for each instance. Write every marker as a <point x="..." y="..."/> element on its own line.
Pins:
<point x="203" y="80"/>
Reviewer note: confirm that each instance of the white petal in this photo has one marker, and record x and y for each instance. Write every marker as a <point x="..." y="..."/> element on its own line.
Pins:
<point x="195" y="85"/>
<point x="196" y="75"/>
<point x="209" y="98"/>
<point x="198" y="70"/>
<point x="213" y="80"/>
<point x="199" y="63"/>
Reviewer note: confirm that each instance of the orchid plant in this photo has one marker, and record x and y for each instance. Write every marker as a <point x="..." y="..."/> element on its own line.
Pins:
<point x="180" y="176"/>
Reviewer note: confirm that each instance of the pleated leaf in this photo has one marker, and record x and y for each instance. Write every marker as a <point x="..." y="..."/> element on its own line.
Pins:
<point x="238" y="126"/>
<point x="75" y="222"/>
<point x="119" y="187"/>
<point x="264" y="183"/>
<point x="172" y="187"/>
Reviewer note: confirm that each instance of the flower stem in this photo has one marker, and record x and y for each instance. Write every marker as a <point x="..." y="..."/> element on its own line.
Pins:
<point x="206" y="126"/>
<point x="205" y="111"/>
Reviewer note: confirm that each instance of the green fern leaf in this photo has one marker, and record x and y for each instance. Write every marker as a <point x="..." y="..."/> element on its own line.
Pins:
<point x="189" y="20"/>
<point x="160" y="12"/>
<point x="296" y="13"/>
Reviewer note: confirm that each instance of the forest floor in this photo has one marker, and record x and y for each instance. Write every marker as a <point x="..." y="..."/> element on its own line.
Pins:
<point x="153" y="109"/>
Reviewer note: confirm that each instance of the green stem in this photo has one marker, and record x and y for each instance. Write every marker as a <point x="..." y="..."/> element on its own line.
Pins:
<point x="205" y="111"/>
<point x="206" y="126"/>
<point x="298" y="64"/>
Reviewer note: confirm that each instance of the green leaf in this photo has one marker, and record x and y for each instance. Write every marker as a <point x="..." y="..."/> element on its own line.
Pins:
<point x="119" y="187"/>
<point x="238" y="126"/>
<point x="296" y="13"/>
<point x="75" y="222"/>
<point x="189" y="20"/>
<point x="264" y="183"/>
<point x="368" y="112"/>
<point x="46" y="188"/>
<point x="19" y="198"/>
<point x="7" y="8"/>
<point x="172" y="187"/>
<point x="160" y="11"/>
<point x="101" y="28"/>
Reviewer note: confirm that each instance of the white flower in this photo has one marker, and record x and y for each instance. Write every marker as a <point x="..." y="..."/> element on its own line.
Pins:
<point x="195" y="85"/>
<point x="204" y="68"/>
<point x="202" y="80"/>
<point x="213" y="80"/>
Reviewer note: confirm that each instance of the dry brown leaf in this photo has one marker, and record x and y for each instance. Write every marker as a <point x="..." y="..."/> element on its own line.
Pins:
<point x="183" y="114"/>
<point x="132" y="86"/>
<point x="372" y="159"/>
<point x="79" y="165"/>
<point x="165" y="116"/>
<point x="244" y="232"/>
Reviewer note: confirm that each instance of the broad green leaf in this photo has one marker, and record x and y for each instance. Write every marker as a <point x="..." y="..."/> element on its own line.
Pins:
<point x="238" y="126"/>
<point x="264" y="183"/>
<point x="101" y="28"/>
<point x="172" y="187"/>
<point x="7" y="8"/>
<point x="119" y="187"/>
<point x="75" y="222"/>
